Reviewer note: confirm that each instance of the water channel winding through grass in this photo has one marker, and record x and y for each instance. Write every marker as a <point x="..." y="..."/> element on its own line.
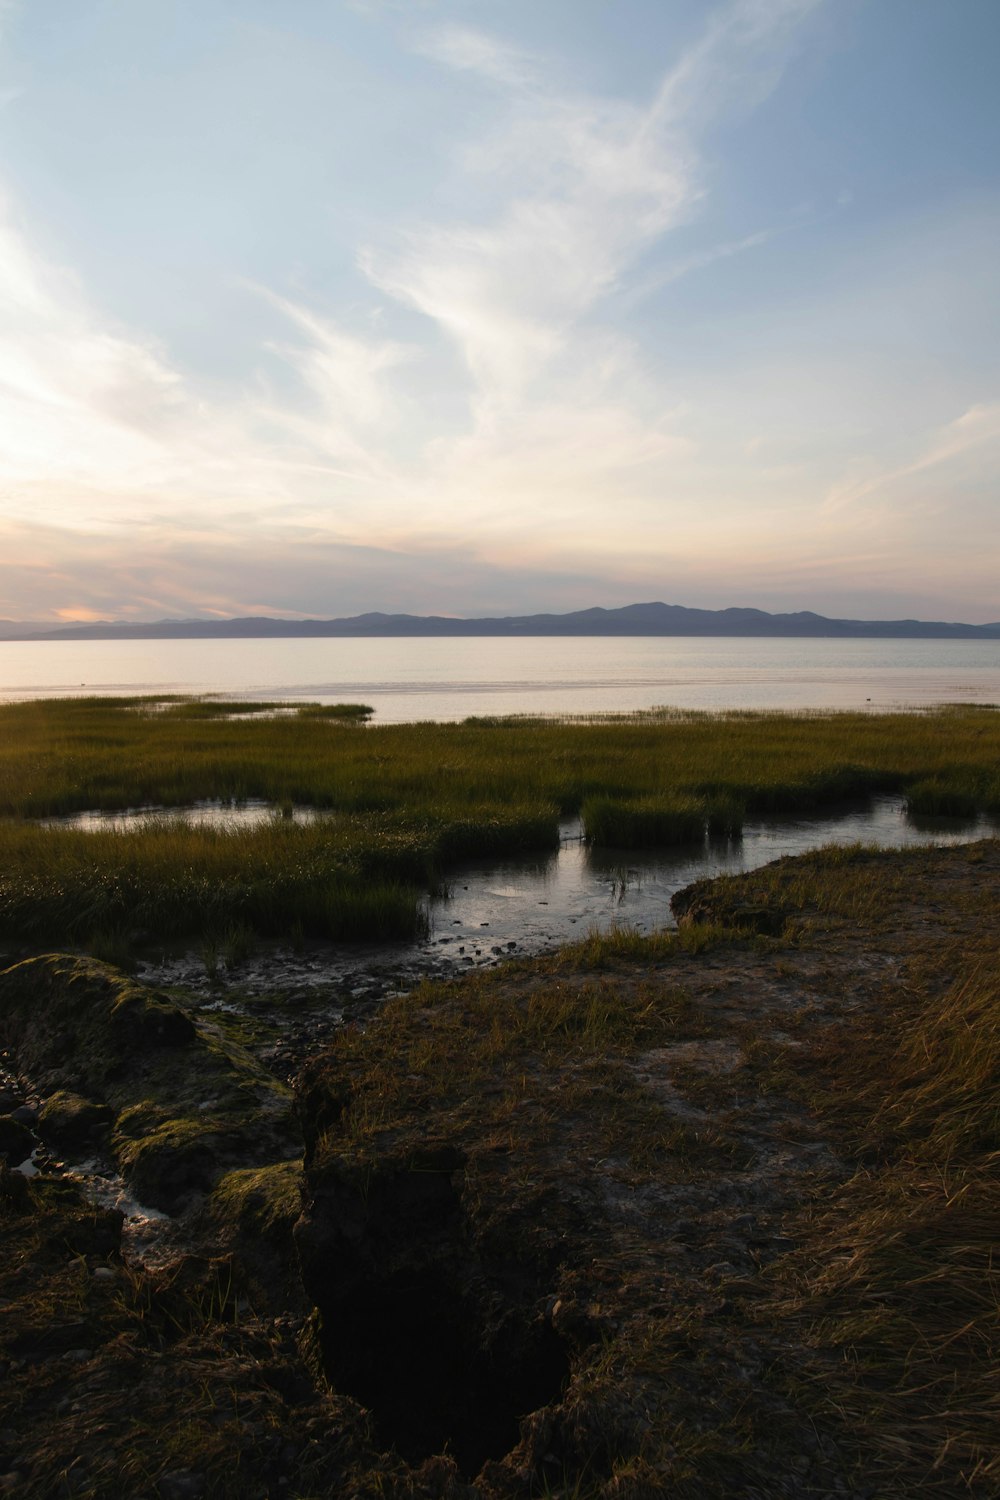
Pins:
<point x="491" y="909"/>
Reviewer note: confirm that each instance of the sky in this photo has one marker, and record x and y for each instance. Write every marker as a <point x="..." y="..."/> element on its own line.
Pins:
<point x="481" y="307"/>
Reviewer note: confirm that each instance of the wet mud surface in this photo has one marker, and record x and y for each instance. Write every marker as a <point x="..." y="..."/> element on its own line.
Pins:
<point x="490" y="912"/>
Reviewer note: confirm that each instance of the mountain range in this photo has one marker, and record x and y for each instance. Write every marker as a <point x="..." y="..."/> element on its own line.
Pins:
<point x="632" y="619"/>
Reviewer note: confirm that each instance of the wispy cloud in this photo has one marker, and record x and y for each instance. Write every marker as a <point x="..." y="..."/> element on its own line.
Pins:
<point x="974" y="430"/>
<point x="590" y="184"/>
<point x="344" y="373"/>
<point x="465" y="48"/>
<point x="336" y="475"/>
<point x="101" y="429"/>
<point x="735" y="64"/>
<point x="588" y="188"/>
<point x="76" y="397"/>
<point x="98" y="426"/>
<point x="674" y="270"/>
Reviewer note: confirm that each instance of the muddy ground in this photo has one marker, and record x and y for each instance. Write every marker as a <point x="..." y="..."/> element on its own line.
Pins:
<point x="580" y="1226"/>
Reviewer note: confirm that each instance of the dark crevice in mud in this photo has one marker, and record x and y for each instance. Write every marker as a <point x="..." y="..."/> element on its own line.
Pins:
<point x="446" y="1353"/>
<point x="432" y="1376"/>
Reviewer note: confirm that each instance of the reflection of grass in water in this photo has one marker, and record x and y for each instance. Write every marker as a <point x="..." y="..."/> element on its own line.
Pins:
<point x="410" y="800"/>
<point x="623" y="880"/>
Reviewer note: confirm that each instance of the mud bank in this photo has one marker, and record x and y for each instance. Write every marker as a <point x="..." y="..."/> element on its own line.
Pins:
<point x="641" y="1218"/>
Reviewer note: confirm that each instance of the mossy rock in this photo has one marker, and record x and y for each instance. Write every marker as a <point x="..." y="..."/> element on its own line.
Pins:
<point x="707" y="903"/>
<point x="188" y="1104"/>
<point x="169" y="1165"/>
<point x="70" y="1121"/>
<point x="250" y="1214"/>
<point x="263" y="1201"/>
<point x="77" y="1019"/>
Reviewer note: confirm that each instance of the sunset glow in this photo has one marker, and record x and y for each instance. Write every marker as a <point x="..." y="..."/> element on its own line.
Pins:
<point x="491" y="308"/>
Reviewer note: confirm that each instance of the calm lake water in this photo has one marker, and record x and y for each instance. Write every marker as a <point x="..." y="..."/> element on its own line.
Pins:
<point x="411" y="679"/>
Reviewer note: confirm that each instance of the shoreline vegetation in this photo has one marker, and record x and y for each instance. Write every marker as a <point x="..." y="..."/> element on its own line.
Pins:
<point x="701" y="1214"/>
<point x="404" y="803"/>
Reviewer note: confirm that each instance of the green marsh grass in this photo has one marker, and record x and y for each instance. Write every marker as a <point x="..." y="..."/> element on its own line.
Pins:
<point x="167" y="880"/>
<point x="407" y="801"/>
<point x="59" y="756"/>
<point x="347" y="878"/>
<point x="960" y="794"/>
<point x="644" y="822"/>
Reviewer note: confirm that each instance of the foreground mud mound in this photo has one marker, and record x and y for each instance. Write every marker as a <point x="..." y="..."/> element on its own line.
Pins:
<point x="649" y="1218"/>
<point x="179" y="1104"/>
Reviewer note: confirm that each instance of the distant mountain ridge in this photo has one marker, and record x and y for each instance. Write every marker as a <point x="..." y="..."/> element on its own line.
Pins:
<point x="632" y="619"/>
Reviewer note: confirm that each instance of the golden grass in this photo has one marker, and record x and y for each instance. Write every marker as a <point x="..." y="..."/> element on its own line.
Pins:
<point x="899" y="1272"/>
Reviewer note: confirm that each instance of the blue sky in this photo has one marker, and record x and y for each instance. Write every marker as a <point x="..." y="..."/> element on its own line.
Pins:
<point x="486" y="306"/>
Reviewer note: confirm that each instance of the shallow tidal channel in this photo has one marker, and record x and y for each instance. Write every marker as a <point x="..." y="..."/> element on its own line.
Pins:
<point x="489" y="910"/>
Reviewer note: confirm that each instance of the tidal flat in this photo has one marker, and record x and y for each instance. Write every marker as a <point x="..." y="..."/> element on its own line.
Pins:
<point x="700" y="1212"/>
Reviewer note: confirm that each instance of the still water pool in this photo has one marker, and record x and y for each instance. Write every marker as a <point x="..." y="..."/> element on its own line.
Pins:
<point x="535" y="903"/>
<point x="493" y="909"/>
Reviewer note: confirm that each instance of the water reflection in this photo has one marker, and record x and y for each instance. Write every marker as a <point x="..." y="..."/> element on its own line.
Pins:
<point x="536" y="902"/>
<point x="222" y="815"/>
<point x="489" y="910"/>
